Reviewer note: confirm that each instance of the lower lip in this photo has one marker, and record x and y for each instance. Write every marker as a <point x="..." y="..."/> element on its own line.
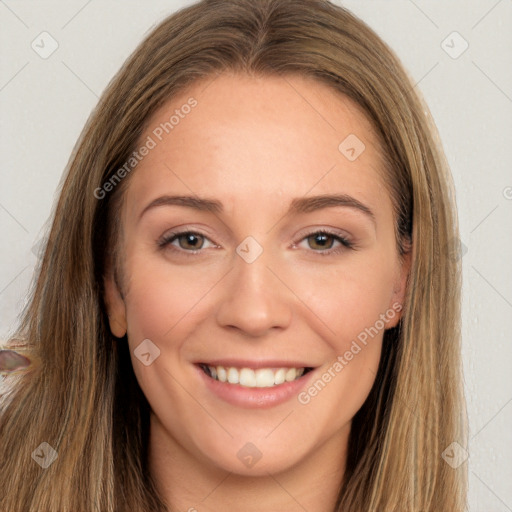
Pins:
<point x="255" y="398"/>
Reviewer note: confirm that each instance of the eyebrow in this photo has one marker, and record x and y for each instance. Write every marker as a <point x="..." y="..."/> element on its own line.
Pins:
<point x="297" y="205"/>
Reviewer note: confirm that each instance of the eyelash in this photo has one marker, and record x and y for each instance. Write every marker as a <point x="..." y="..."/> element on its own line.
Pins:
<point x="167" y="240"/>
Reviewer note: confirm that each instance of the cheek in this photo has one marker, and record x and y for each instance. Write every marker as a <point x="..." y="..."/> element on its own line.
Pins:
<point x="346" y="302"/>
<point x="347" y="306"/>
<point x="163" y="298"/>
<point x="340" y="301"/>
<point x="164" y="304"/>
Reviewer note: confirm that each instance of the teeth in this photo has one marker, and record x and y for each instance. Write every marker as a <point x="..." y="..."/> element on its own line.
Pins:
<point x="221" y="373"/>
<point x="233" y="376"/>
<point x="264" y="378"/>
<point x="280" y="376"/>
<point x="247" y="378"/>
<point x="261" y="378"/>
<point x="291" y="374"/>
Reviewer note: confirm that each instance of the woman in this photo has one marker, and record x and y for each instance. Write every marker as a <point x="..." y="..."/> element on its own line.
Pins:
<point x="247" y="296"/>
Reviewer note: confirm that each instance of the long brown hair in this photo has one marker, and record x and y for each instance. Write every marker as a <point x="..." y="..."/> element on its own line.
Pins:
<point x="81" y="396"/>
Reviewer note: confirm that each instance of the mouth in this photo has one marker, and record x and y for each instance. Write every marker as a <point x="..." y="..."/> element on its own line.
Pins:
<point x="254" y="378"/>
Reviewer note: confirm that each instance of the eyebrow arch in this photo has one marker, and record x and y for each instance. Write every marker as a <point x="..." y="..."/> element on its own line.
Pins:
<point x="298" y="205"/>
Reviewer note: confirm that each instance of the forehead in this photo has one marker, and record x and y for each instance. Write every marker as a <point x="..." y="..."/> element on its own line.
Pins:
<point x="265" y="137"/>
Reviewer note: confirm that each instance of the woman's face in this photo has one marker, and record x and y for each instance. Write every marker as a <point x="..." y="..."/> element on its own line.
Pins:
<point x="258" y="241"/>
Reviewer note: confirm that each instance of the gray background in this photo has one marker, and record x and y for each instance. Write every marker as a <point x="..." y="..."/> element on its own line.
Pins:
<point x="44" y="104"/>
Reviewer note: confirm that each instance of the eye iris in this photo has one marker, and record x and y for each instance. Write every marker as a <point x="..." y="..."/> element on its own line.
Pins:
<point x="191" y="239"/>
<point x="320" y="240"/>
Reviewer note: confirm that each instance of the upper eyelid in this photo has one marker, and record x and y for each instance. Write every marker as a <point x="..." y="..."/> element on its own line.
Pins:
<point x="330" y="231"/>
<point x="166" y="237"/>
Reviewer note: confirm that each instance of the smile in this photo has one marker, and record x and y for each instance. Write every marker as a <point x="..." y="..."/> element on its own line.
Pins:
<point x="247" y="377"/>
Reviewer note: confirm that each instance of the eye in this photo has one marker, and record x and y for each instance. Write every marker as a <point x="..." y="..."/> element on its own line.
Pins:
<point x="192" y="242"/>
<point x="188" y="241"/>
<point x="323" y="241"/>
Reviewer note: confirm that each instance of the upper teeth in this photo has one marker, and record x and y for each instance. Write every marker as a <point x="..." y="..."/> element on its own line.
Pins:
<point x="261" y="378"/>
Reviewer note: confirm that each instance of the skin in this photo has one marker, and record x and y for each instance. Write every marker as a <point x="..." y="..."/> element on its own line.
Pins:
<point x="255" y="144"/>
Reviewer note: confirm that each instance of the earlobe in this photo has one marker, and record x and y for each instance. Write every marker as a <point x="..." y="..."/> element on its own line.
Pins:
<point x="116" y="309"/>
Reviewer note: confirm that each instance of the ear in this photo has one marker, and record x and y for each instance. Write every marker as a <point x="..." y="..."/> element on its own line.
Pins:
<point x="399" y="290"/>
<point x="116" y="308"/>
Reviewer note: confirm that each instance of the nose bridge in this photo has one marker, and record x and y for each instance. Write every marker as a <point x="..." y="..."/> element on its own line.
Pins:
<point x="255" y="300"/>
<point x="251" y="267"/>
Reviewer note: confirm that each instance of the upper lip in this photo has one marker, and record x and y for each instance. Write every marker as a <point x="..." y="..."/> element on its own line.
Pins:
<point x="251" y="363"/>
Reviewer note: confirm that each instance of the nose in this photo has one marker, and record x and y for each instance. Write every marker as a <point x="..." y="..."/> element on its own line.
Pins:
<point x="255" y="300"/>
